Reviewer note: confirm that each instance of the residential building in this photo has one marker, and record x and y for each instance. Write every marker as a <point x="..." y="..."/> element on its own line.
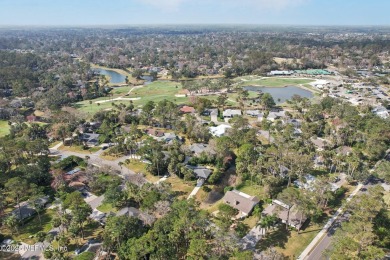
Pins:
<point x="243" y="202"/>
<point x="230" y="113"/>
<point x="286" y="213"/>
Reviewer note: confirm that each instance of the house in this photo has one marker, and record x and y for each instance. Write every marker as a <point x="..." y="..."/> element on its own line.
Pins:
<point x="187" y="110"/>
<point x="128" y="211"/>
<point x="26" y="210"/>
<point x="307" y="184"/>
<point x="90" y="139"/>
<point x="219" y="130"/>
<point x="243" y="202"/>
<point x="31" y="118"/>
<point x="381" y="112"/>
<point x="230" y="113"/>
<point x="272" y="116"/>
<point x="281" y="73"/>
<point x="154" y="132"/>
<point x="319" y="143"/>
<point x="198" y="148"/>
<point x="286" y="213"/>
<point x="168" y="138"/>
<point x="253" y="113"/>
<point x="200" y="172"/>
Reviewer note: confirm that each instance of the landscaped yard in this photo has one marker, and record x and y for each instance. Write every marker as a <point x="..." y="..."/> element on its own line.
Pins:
<point x="183" y="188"/>
<point x="106" y="208"/>
<point x="289" y="243"/>
<point x="32" y="227"/>
<point x="4" y="128"/>
<point x="251" y="189"/>
<point x="140" y="167"/>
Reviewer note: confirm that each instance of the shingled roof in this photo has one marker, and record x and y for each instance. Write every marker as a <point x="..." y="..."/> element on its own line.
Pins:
<point x="241" y="201"/>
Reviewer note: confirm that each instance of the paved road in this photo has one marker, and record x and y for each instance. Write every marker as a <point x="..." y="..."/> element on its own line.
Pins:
<point x="326" y="241"/>
<point x="96" y="160"/>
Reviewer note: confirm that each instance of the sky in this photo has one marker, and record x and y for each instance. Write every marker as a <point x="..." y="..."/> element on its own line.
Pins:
<point x="136" y="12"/>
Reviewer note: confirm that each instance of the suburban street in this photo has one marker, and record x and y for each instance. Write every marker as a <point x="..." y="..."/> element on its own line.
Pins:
<point x="325" y="243"/>
<point x="95" y="159"/>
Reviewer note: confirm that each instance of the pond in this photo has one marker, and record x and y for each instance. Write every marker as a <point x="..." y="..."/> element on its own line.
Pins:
<point x="280" y="95"/>
<point x="115" y="77"/>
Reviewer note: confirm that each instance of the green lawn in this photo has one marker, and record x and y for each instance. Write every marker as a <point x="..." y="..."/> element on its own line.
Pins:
<point x="32" y="227"/>
<point x="271" y="82"/>
<point x="140" y="167"/>
<point x="251" y="189"/>
<point x="4" y="128"/>
<point x="156" y="91"/>
<point x="106" y="208"/>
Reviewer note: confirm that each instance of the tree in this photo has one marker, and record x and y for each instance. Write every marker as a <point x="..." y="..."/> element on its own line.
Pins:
<point x="383" y="171"/>
<point x="11" y="222"/>
<point x="35" y="200"/>
<point x="267" y="101"/>
<point x="221" y="100"/>
<point x="80" y="209"/>
<point x="119" y="229"/>
<point x="17" y="188"/>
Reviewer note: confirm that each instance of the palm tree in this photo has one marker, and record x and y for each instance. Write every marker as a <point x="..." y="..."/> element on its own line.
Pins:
<point x="11" y="222"/>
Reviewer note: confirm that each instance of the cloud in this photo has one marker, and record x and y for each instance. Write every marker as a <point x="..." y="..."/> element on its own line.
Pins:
<point x="174" y="5"/>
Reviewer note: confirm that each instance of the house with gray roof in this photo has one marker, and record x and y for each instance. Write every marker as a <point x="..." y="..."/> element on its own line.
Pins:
<point x="200" y="172"/>
<point x="230" y="113"/>
<point x="243" y="202"/>
<point x="26" y="210"/>
<point x="198" y="148"/>
<point x="286" y="213"/>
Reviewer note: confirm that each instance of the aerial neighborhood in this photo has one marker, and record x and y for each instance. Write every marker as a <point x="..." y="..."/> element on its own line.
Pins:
<point x="194" y="143"/>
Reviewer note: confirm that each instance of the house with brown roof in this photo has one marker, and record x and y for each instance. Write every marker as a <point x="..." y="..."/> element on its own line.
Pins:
<point x="243" y="202"/>
<point x="187" y="110"/>
<point x="286" y="213"/>
<point x="154" y="132"/>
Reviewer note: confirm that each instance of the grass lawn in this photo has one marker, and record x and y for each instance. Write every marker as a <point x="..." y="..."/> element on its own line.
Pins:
<point x="106" y="208"/>
<point x="4" y="128"/>
<point x="79" y="149"/>
<point x="251" y="189"/>
<point x="183" y="188"/>
<point x="31" y="228"/>
<point x="271" y="82"/>
<point x="251" y="221"/>
<point x="9" y="256"/>
<point x="289" y="243"/>
<point x="156" y="91"/>
<point x="140" y="167"/>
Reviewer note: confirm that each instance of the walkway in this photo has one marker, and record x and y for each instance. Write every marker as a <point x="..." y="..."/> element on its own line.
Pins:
<point x="196" y="189"/>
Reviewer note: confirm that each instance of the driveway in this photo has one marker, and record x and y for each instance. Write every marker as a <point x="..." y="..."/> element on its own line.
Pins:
<point x="250" y="240"/>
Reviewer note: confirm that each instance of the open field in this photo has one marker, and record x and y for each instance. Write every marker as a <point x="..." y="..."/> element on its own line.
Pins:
<point x="270" y="82"/>
<point x="4" y="128"/>
<point x="156" y="91"/>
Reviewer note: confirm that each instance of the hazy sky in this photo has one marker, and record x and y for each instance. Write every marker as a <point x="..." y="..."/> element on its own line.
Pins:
<point x="120" y="12"/>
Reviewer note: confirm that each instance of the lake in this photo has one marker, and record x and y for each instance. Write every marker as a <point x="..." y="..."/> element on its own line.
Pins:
<point x="115" y="77"/>
<point x="280" y="95"/>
